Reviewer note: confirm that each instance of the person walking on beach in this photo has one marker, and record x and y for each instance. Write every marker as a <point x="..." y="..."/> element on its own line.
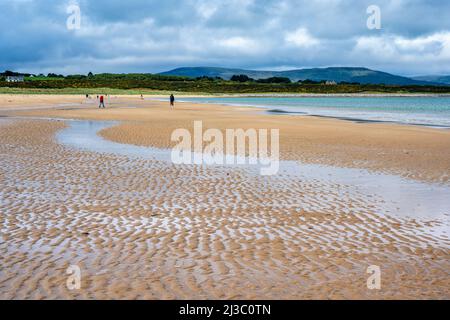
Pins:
<point x="102" y="102"/>
<point x="172" y="101"/>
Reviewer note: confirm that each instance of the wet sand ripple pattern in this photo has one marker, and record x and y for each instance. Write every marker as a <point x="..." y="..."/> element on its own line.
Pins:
<point x="144" y="229"/>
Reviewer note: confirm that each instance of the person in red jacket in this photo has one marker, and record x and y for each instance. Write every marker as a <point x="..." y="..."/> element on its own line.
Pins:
<point x="102" y="102"/>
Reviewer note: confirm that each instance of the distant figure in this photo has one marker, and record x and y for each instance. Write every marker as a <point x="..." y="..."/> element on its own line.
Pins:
<point x="142" y="97"/>
<point x="102" y="102"/>
<point x="172" y="101"/>
<point x="87" y="96"/>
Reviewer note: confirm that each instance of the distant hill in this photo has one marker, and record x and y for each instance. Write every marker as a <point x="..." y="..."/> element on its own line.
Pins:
<point x="338" y="74"/>
<point x="434" y="78"/>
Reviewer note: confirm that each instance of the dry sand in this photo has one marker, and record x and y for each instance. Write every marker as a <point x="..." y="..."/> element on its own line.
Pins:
<point x="144" y="229"/>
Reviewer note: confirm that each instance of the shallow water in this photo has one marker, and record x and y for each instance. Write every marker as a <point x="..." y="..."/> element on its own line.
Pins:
<point x="83" y="135"/>
<point x="389" y="194"/>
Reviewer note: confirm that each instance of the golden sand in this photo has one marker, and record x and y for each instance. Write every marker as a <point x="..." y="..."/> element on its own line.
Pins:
<point x="410" y="151"/>
<point x="144" y="229"/>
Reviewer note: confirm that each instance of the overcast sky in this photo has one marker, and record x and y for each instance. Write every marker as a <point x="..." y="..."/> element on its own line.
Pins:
<point x="153" y="36"/>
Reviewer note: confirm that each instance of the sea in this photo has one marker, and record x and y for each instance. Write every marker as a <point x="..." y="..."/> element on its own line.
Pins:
<point x="433" y="111"/>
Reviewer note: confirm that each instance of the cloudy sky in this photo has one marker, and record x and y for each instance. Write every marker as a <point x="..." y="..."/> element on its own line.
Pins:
<point x="154" y="36"/>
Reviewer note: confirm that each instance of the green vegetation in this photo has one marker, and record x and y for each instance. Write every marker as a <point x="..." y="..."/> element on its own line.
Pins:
<point x="83" y="91"/>
<point x="43" y="78"/>
<point x="241" y="78"/>
<point x="275" y="80"/>
<point x="154" y="84"/>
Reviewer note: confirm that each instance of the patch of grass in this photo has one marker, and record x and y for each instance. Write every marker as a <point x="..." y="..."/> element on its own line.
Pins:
<point x="43" y="79"/>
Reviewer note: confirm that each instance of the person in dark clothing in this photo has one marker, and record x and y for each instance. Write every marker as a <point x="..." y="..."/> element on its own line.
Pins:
<point x="172" y="100"/>
<point x="102" y="102"/>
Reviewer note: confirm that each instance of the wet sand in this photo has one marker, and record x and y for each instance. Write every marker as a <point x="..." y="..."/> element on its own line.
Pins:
<point x="147" y="229"/>
<point x="410" y="151"/>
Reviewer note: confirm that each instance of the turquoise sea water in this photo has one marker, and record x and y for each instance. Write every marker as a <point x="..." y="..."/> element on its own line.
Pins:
<point x="423" y="110"/>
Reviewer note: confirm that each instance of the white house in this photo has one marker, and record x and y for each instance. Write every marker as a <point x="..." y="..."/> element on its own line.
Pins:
<point x="15" y="78"/>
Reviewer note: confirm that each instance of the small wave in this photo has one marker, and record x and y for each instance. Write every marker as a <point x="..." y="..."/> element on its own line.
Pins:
<point x="278" y="111"/>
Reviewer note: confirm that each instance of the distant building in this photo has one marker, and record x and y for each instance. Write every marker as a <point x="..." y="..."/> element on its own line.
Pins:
<point x="15" y="78"/>
<point x="331" y="83"/>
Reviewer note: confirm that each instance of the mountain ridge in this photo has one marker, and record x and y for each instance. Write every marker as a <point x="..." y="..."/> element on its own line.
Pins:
<point x="338" y="74"/>
<point x="445" y="79"/>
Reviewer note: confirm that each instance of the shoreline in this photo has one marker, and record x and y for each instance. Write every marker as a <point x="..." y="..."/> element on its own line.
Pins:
<point x="78" y="101"/>
<point x="332" y="95"/>
<point x="416" y="152"/>
<point x="157" y="93"/>
<point x="278" y="111"/>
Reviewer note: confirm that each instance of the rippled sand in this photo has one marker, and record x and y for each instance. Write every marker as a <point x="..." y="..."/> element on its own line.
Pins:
<point x="146" y="229"/>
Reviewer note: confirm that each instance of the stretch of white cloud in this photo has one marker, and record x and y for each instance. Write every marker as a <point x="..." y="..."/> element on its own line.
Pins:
<point x="301" y="38"/>
<point x="241" y="44"/>
<point x="432" y="48"/>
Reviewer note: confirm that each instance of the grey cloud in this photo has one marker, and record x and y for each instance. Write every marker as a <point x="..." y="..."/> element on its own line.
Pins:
<point x="152" y="36"/>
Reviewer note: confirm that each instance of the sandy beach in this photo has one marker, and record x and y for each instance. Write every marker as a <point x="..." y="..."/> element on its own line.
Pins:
<point x="142" y="228"/>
